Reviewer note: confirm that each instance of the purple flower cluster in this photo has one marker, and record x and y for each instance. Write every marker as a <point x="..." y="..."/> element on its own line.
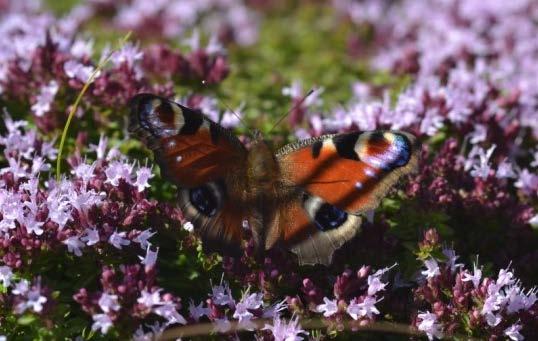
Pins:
<point x="489" y="308"/>
<point x="87" y="211"/>
<point x="43" y="59"/>
<point x="233" y="20"/>
<point x="355" y="293"/>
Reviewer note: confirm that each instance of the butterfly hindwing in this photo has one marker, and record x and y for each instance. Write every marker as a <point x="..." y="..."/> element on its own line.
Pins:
<point x="340" y="176"/>
<point x="199" y="156"/>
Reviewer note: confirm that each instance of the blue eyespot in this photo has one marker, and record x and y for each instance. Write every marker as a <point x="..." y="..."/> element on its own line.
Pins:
<point x="329" y="217"/>
<point x="402" y="145"/>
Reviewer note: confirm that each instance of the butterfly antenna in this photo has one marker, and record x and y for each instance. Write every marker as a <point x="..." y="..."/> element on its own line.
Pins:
<point x="298" y="104"/>
<point x="204" y="83"/>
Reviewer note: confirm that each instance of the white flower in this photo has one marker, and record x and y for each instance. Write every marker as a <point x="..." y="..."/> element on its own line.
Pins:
<point x="169" y="312"/>
<point x="518" y="300"/>
<point x="150" y="259"/>
<point x="492" y="303"/>
<point x="432" y="268"/>
<point x="76" y="70"/>
<point x="188" y="226"/>
<point x="6" y="275"/>
<point x="118" y="240"/>
<point x="451" y="259"/>
<point x="74" y="245"/>
<point x="505" y="170"/>
<point x="375" y="284"/>
<point x="108" y="302"/>
<point x="142" y="177"/>
<point x="492" y="320"/>
<point x="475" y="277"/>
<point x="82" y="48"/>
<point x="118" y="170"/>
<point x="100" y="148"/>
<point x="143" y="237"/>
<point x="366" y="308"/>
<point x="102" y="322"/>
<point x="513" y="332"/>
<point x="429" y="325"/>
<point x="222" y="325"/>
<point x="150" y="299"/>
<point x="84" y="171"/>
<point x="275" y="309"/>
<point x="222" y="295"/>
<point x="283" y="331"/>
<point x="534" y="221"/>
<point x="45" y="98"/>
<point x="128" y="54"/>
<point x="198" y="311"/>
<point x="155" y="333"/>
<point x="21" y="288"/>
<point x="479" y="134"/>
<point x="91" y="237"/>
<point x="329" y="308"/>
<point x="252" y="301"/>
<point x="505" y="278"/>
<point x="34" y="300"/>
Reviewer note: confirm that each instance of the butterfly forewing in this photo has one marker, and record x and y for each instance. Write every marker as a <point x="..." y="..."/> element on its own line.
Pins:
<point x="340" y="176"/>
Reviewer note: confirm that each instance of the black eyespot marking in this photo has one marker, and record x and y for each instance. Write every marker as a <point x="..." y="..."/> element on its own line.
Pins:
<point x="329" y="217"/>
<point x="316" y="148"/>
<point x="205" y="200"/>
<point x="193" y="121"/>
<point x="345" y="145"/>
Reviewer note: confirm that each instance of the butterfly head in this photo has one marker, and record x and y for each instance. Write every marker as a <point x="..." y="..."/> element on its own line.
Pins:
<point x="257" y="136"/>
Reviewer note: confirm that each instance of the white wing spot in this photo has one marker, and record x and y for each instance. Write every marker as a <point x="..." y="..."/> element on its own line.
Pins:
<point x="171" y="144"/>
<point x="178" y="159"/>
<point x="358" y="185"/>
<point x="369" y="172"/>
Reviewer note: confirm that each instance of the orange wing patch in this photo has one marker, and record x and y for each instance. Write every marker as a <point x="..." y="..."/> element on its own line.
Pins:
<point x="351" y="171"/>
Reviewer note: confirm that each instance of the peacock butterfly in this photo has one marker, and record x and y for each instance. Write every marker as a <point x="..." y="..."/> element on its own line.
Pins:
<point x="308" y="196"/>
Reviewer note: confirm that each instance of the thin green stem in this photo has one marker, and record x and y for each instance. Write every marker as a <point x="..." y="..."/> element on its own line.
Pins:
<point x="75" y="105"/>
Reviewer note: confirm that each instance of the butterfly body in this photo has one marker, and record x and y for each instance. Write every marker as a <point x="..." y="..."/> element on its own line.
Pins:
<point x="307" y="197"/>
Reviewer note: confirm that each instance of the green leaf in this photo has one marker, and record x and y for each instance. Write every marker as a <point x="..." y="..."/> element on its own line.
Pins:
<point x="26" y="319"/>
